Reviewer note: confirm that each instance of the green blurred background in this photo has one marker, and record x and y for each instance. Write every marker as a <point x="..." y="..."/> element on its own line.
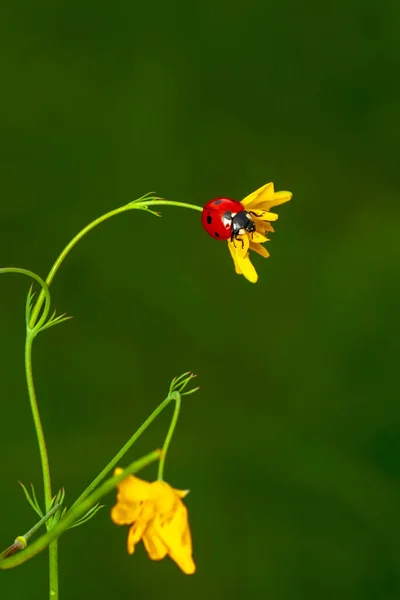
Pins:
<point x="291" y="448"/>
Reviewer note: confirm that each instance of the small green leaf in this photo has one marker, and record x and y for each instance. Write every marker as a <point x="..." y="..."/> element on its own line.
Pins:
<point x="190" y="391"/>
<point x="89" y="515"/>
<point x="180" y="383"/>
<point x="28" y="306"/>
<point x="152" y="212"/>
<point x="148" y="196"/>
<point x="32" y="500"/>
<point x="35" y="497"/>
<point x="175" y="383"/>
<point x="55" y="321"/>
<point x="57" y="499"/>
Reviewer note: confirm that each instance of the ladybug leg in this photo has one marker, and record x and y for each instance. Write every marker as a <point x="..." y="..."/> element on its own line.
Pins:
<point x="238" y="240"/>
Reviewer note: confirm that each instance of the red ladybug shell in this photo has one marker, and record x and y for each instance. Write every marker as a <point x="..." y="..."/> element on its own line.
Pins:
<point x="213" y="219"/>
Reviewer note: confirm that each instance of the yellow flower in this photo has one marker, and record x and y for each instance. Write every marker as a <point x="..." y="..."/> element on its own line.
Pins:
<point x="157" y="516"/>
<point x="258" y="205"/>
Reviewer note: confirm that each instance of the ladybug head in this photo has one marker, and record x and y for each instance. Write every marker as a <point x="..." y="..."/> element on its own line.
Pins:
<point x="242" y="222"/>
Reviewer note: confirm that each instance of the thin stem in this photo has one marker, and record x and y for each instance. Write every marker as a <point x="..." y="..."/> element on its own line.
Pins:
<point x="68" y="248"/>
<point x="168" y="438"/>
<point x="32" y="329"/>
<point x="29" y="379"/>
<point x="123" y="450"/>
<point x="22" y="540"/>
<point x="161" y="202"/>
<point x="53" y="548"/>
<point x="38" y="423"/>
<point x="53" y="570"/>
<point x="39" y="524"/>
<point x="138" y="204"/>
<point x="75" y="513"/>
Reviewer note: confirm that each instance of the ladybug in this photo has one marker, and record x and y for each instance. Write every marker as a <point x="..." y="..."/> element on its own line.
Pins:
<point x="226" y="219"/>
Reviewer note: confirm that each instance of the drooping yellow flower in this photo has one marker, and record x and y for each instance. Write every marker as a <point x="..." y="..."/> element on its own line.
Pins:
<point x="258" y="205"/>
<point x="157" y="516"/>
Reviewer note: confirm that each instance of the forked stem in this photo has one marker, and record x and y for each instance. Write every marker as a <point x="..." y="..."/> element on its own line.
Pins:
<point x="142" y="203"/>
<point x="33" y="326"/>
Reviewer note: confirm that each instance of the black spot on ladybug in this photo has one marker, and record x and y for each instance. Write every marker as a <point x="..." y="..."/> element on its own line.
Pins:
<point x="218" y="202"/>
<point x="216" y="234"/>
<point x="209" y="219"/>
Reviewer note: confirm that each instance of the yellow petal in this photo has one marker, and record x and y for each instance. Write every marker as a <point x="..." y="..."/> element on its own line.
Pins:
<point x="156" y="549"/>
<point x="264" y="226"/>
<point x="259" y="249"/>
<point x="132" y="494"/>
<point x="266" y="192"/>
<point x="247" y="268"/>
<point x="232" y="250"/>
<point x="121" y="514"/>
<point x="256" y="236"/>
<point x="163" y="495"/>
<point x="241" y="244"/>
<point x="187" y="537"/>
<point x="139" y="527"/>
<point x="132" y="489"/>
<point x="279" y="198"/>
<point x="176" y="536"/>
<point x="135" y="535"/>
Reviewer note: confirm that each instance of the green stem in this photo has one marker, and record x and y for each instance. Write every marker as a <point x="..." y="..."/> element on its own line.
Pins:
<point x="53" y="548"/>
<point x="161" y="202"/>
<point x="32" y="329"/>
<point x="22" y="540"/>
<point x="30" y="335"/>
<point x="53" y="570"/>
<point x="38" y="423"/>
<point x="42" y="521"/>
<point x="138" y="204"/>
<point x="76" y="512"/>
<point x="168" y="438"/>
<point x="123" y="450"/>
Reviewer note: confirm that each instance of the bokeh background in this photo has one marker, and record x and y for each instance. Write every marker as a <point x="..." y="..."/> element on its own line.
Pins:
<point x="291" y="448"/>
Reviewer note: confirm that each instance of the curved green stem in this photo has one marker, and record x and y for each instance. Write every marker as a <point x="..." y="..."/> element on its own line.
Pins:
<point x="45" y="294"/>
<point x="31" y="332"/>
<point x="168" y="438"/>
<point x="34" y="324"/>
<point x="137" y="204"/>
<point x="75" y="513"/>
<point x="44" y="458"/>
<point x="32" y="328"/>
<point x="38" y="423"/>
